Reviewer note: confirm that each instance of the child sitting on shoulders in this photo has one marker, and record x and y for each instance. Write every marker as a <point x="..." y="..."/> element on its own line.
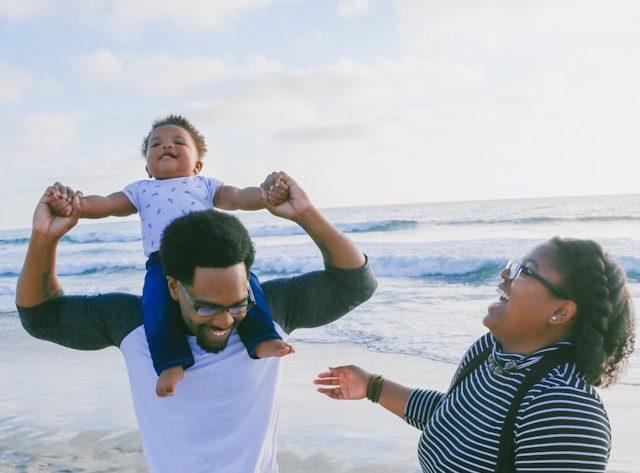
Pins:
<point x="174" y="150"/>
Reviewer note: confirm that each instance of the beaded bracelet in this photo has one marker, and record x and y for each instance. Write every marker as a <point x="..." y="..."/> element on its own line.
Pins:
<point x="374" y="387"/>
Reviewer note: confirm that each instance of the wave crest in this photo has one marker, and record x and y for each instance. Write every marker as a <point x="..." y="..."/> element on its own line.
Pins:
<point x="537" y="220"/>
<point x="95" y="237"/>
<point x="447" y="268"/>
<point x="355" y="227"/>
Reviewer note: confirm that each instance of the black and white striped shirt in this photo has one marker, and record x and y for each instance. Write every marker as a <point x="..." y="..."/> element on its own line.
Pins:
<point x="561" y="425"/>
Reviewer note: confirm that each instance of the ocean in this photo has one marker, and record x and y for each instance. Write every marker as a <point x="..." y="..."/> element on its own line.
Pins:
<point x="437" y="263"/>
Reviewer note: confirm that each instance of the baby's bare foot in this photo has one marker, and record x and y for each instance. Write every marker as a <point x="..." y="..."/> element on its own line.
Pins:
<point x="167" y="381"/>
<point x="270" y="348"/>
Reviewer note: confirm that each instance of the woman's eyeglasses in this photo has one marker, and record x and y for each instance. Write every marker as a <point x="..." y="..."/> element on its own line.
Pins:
<point x="215" y="310"/>
<point x="514" y="268"/>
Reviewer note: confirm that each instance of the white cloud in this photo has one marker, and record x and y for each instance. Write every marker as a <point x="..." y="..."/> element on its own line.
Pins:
<point x="260" y="65"/>
<point x="163" y="74"/>
<point x="103" y="173"/>
<point x="101" y="64"/>
<point x="160" y="75"/>
<point x="327" y="133"/>
<point x="263" y="90"/>
<point x="345" y="101"/>
<point x="14" y="83"/>
<point x="526" y="29"/>
<point x="250" y="110"/>
<point x="40" y="154"/>
<point x="351" y="8"/>
<point x="45" y="135"/>
<point x="126" y="17"/>
<point x="593" y="90"/>
<point x="19" y="10"/>
<point x="18" y="84"/>
<point x="384" y="81"/>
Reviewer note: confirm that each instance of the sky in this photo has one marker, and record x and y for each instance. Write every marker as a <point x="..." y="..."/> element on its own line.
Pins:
<point x="362" y="101"/>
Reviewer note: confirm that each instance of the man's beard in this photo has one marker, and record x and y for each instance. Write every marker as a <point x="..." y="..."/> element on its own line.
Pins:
<point x="203" y="343"/>
<point x="206" y="345"/>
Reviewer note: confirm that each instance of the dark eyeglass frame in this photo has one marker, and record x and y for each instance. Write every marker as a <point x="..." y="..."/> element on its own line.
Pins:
<point x="514" y="268"/>
<point x="216" y="310"/>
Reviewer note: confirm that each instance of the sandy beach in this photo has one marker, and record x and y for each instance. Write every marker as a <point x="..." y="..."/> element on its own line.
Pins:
<point x="70" y="411"/>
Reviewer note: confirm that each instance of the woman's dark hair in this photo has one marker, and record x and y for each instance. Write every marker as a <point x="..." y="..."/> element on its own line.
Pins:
<point x="205" y="239"/>
<point x="177" y="120"/>
<point x="604" y="329"/>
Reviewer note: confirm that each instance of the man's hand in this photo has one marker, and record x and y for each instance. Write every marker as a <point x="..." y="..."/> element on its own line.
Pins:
<point x="57" y="211"/>
<point x="295" y="204"/>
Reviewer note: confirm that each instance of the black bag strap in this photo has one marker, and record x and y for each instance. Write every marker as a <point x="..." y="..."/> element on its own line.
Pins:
<point x="506" y="453"/>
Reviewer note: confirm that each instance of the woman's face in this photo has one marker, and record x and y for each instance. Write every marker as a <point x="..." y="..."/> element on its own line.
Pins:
<point x="520" y="320"/>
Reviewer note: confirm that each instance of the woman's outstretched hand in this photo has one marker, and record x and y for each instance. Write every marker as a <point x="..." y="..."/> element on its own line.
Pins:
<point x="344" y="382"/>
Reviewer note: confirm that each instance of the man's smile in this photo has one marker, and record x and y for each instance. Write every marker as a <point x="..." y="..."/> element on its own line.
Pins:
<point x="216" y="331"/>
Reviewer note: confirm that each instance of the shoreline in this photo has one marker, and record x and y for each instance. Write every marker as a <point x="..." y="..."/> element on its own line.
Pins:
<point x="81" y="416"/>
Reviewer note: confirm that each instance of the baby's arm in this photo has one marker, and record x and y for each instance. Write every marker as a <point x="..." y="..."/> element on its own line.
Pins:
<point x="93" y="206"/>
<point x="113" y="205"/>
<point x="273" y="190"/>
<point x="233" y="198"/>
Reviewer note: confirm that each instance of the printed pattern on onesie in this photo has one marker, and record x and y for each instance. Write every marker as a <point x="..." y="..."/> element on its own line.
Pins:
<point x="161" y="201"/>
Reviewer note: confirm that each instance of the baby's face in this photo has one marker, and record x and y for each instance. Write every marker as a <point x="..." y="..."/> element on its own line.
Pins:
<point x="172" y="153"/>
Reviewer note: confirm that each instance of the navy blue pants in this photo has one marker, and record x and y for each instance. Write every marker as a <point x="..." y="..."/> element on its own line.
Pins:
<point x="166" y="333"/>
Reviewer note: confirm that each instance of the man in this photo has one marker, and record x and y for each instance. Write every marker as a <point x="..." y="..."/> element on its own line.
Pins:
<point x="224" y="416"/>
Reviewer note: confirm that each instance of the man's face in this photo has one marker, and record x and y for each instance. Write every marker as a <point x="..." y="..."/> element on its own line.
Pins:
<point x="212" y="287"/>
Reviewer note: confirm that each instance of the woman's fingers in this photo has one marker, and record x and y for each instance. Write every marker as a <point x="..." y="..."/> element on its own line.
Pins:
<point x="335" y="393"/>
<point x="331" y="377"/>
<point x="325" y="381"/>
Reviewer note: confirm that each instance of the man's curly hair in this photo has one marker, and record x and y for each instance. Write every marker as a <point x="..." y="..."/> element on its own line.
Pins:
<point x="204" y="239"/>
<point x="182" y="122"/>
<point x="604" y="331"/>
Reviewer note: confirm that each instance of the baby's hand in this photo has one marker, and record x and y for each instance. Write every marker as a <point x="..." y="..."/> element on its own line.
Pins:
<point x="278" y="192"/>
<point x="61" y="205"/>
<point x="276" y="189"/>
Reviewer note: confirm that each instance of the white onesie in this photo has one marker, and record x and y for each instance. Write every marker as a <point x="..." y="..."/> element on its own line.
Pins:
<point x="159" y="202"/>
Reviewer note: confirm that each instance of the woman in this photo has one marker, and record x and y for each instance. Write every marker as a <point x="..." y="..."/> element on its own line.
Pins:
<point x="563" y="324"/>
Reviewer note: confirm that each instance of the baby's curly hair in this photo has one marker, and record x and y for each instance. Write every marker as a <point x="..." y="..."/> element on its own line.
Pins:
<point x="604" y="331"/>
<point x="182" y="122"/>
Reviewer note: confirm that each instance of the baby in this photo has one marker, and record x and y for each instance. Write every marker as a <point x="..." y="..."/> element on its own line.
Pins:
<point x="174" y="150"/>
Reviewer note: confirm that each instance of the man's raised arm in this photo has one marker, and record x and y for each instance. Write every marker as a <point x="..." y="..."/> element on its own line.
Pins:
<point x="81" y="322"/>
<point x="38" y="281"/>
<point x="320" y="297"/>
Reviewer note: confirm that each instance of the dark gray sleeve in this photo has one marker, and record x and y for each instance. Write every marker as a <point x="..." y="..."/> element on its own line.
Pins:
<point x="318" y="298"/>
<point x="83" y="322"/>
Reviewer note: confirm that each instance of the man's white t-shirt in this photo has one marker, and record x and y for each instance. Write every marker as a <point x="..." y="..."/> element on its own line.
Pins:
<point x="222" y="389"/>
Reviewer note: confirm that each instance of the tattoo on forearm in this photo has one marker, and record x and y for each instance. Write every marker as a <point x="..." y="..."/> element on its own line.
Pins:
<point x="47" y="287"/>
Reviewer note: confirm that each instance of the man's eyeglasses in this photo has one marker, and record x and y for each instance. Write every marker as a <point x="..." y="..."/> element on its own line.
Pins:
<point x="215" y="310"/>
<point x="514" y="268"/>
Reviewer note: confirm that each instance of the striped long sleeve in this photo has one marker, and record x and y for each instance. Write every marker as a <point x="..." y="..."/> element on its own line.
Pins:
<point x="561" y="425"/>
